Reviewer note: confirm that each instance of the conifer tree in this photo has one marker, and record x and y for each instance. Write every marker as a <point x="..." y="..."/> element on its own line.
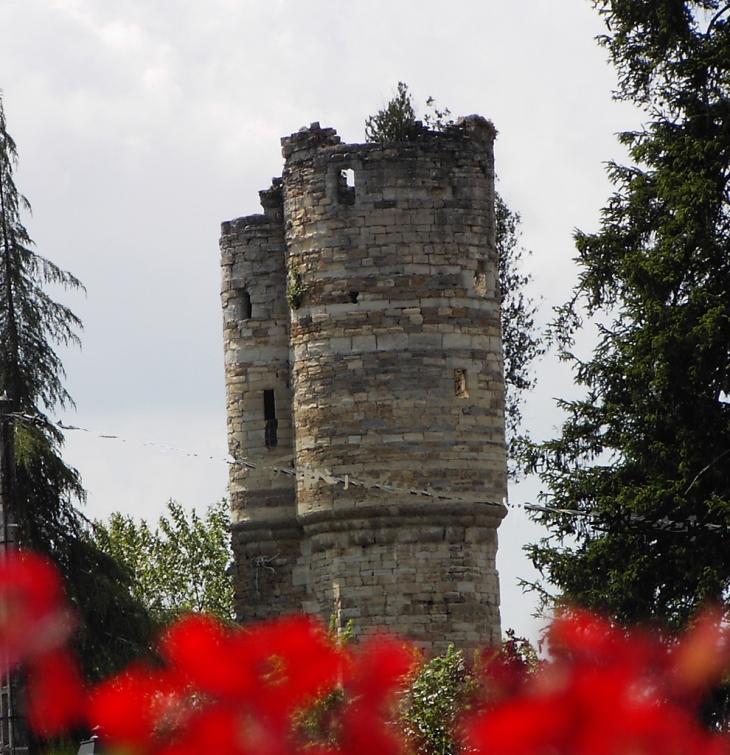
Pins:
<point x="113" y="625"/>
<point x="644" y="456"/>
<point x="396" y="122"/>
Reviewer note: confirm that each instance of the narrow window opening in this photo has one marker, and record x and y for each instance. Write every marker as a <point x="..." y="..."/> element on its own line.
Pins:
<point x="353" y="296"/>
<point x="480" y="278"/>
<point x="245" y="305"/>
<point x="272" y="423"/>
<point x="460" y="389"/>
<point x="346" y="187"/>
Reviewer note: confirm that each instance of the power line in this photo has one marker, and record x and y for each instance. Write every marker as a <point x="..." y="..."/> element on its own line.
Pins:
<point x="311" y="476"/>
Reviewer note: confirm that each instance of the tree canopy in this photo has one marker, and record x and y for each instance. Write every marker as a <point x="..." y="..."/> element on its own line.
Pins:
<point x="644" y="456"/>
<point x="396" y="122"/>
<point x="180" y="566"/>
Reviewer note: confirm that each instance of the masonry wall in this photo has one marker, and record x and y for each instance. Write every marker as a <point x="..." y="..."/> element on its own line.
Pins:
<point x="395" y="365"/>
<point x="266" y="535"/>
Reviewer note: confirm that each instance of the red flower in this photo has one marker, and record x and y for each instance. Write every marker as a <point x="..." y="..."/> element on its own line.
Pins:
<point x="33" y="614"/>
<point x="608" y="692"/>
<point x="219" y="683"/>
<point x="294" y="662"/>
<point x="272" y="668"/>
<point x="56" y="693"/>
<point x="138" y="708"/>
<point x="202" y="650"/>
<point x="381" y="669"/>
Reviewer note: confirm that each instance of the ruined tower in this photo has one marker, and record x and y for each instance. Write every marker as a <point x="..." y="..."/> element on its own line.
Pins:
<point x="362" y="342"/>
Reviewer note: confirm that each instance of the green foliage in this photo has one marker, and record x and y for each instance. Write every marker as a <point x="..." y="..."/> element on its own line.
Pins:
<point x="180" y="566"/>
<point x="437" y="120"/>
<point x="441" y="692"/>
<point x="318" y="724"/>
<point x="297" y="289"/>
<point x="521" y="343"/>
<point x="397" y="122"/>
<point x="438" y="696"/>
<point x="341" y="635"/>
<point x="520" y="651"/>
<point x="115" y="627"/>
<point x="648" y="443"/>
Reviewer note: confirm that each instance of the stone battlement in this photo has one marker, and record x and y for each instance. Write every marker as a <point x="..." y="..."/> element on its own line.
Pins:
<point x="362" y="337"/>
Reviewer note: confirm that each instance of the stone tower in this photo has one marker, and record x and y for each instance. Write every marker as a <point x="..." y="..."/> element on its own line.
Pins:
<point x="385" y="366"/>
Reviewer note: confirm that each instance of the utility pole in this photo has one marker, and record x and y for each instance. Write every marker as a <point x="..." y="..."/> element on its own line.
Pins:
<point x="13" y="728"/>
<point x="8" y="504"/>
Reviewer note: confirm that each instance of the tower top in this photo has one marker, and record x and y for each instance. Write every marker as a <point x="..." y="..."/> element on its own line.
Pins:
<point x="313" y="137"/>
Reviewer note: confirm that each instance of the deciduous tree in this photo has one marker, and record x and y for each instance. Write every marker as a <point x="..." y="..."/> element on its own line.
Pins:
<point x="179" y="566"/>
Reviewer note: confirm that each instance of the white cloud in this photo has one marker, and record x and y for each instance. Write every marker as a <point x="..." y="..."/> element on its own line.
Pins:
<point x="121" y="36"/>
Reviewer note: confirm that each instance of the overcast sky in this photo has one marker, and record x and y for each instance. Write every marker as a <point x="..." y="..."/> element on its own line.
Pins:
<point x="142" y="124"/>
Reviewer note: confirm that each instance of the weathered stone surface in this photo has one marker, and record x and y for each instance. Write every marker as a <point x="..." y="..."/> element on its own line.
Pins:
<point x="389" y="371"/>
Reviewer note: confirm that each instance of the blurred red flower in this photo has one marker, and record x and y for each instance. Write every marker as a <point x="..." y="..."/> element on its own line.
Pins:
<point x="608" y="691"/>
<point x="56" y="693"/>
<point x="34" y="617"/>
<point x="237" y="690"/>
